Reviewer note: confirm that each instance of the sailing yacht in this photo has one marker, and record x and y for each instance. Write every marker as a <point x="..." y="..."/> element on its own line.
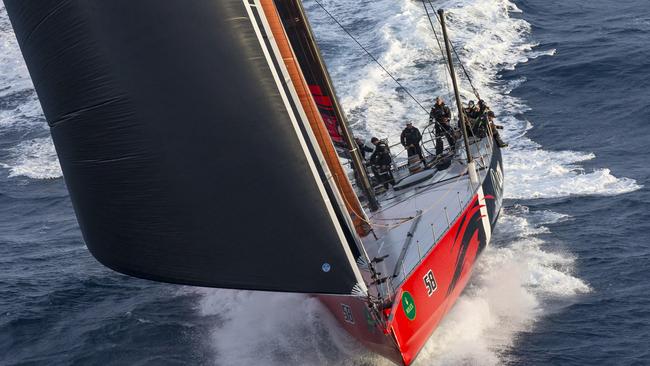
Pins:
<point x="200" y="142"/>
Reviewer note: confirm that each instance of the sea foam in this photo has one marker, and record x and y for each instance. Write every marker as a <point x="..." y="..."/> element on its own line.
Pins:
<point x="21" y="114"/>
<point x="35" y="159"/>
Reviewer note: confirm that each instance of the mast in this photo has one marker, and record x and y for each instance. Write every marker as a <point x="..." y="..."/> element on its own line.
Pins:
<point x="357" y="161"/>
<point x="459" y="104"/>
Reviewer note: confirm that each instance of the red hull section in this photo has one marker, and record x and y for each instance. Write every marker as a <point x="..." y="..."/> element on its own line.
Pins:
<point x="431" y="290"/>
<point x="424" y="298"/>
<point x="353" y="315"/>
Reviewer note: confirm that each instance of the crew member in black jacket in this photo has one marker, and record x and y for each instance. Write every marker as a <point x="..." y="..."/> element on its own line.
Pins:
<point x="380" y="161"/>
<point x="410" y="139"/>
<point x="363" y="149"/>
<point x="441" y="116"/>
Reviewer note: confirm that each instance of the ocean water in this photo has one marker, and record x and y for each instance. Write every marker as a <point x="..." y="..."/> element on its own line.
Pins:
<point x="564" y="281"/>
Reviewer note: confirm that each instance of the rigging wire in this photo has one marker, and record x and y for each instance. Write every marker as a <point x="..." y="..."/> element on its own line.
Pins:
<point x="442" y="52"/>
<point x="372" y="57"/>
<point x="462" y="66"/>
<point x="460" y="62"/>
<point x="435" y="34"/>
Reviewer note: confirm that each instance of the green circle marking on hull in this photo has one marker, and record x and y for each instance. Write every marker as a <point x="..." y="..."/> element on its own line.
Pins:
<point x="408" y="305"/>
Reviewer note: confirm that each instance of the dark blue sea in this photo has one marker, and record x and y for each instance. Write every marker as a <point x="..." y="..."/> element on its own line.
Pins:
<point x="564" y="282"/>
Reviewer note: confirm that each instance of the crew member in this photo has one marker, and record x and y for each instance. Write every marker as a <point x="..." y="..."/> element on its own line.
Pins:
<point x="441" y="115"/>
<point x="486" y="119"/>
<point x="363" y="149"/>
<point x="495" y="129"/>
<point x="482" y="106"/>
<point x="481" y="125"/>
<point x="410" y="139"/>
<point x="472" y="110"/>
<point x="380" y="161"/>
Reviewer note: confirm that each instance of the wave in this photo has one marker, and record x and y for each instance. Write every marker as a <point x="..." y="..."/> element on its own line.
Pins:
<point x="258" y="328"/>
<point x="13" y="71"/>
<point x="21" y="115"/>
<point x="513" y="283"/>
<point x="34" y="159"/>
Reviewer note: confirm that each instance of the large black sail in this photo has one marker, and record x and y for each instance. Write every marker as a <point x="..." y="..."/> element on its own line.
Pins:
<point x="180" y="147"/>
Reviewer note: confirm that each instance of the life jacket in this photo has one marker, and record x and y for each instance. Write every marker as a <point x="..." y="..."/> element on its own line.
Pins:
<point x="381" y="156"/>
<point x="411" y="136"/>
<point x="440" y="113"/>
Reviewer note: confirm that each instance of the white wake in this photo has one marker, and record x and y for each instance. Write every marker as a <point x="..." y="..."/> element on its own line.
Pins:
<point x="21" y="115"/>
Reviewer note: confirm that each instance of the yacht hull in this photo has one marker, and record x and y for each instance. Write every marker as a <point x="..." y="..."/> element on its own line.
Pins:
<point x="431" y="289"/>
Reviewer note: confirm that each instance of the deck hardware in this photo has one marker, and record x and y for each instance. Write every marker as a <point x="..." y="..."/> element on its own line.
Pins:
<point x="447" y="216"/>
<point x="380" y="281"/>
<point x="433" y="232"/>
<point x="407" y="244"/>
<point x="379" y="259"/>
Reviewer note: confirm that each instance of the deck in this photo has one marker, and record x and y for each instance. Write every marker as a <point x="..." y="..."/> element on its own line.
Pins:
<point x="411" y="221"/>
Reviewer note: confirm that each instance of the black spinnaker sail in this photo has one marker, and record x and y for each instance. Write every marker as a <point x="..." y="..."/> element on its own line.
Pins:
<point x="182" y="148"/>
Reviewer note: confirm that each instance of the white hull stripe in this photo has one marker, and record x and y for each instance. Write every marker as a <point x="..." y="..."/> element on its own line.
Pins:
<point x="484" y="215"/>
